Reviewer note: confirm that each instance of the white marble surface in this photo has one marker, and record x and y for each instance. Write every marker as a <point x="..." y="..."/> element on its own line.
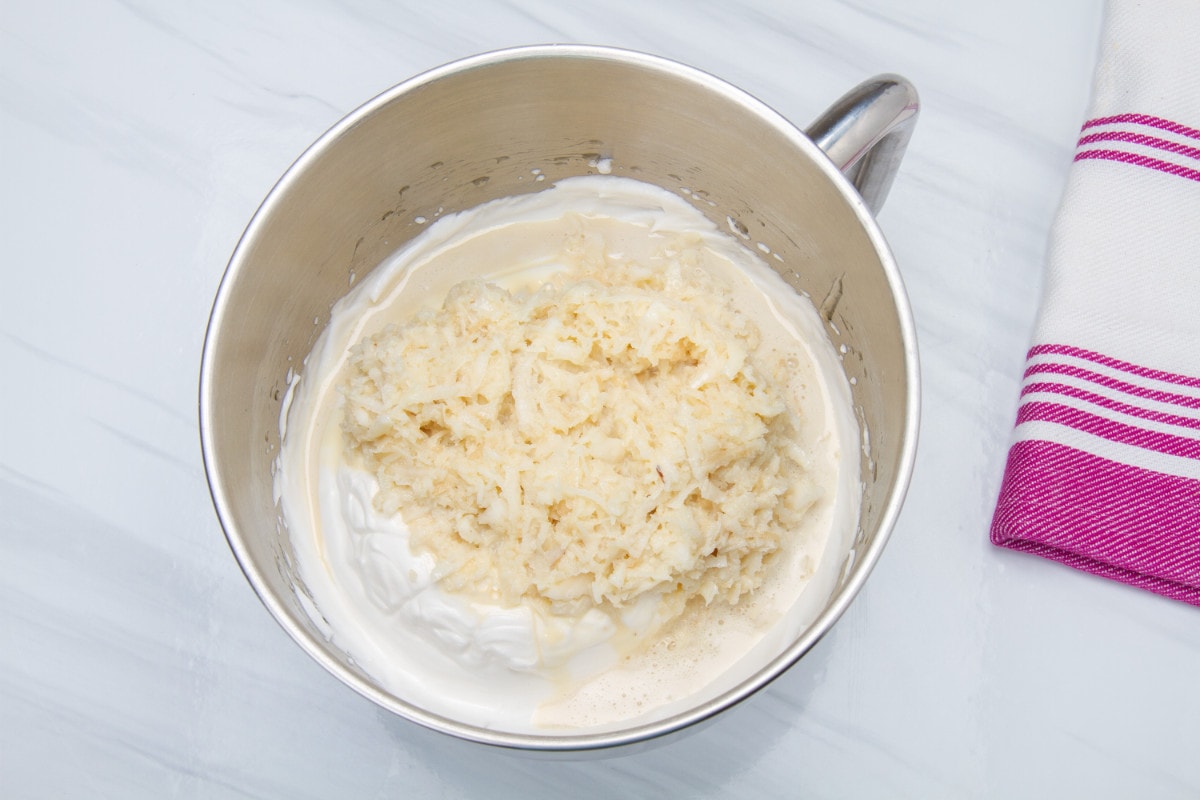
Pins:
<point x="135" y="661"/>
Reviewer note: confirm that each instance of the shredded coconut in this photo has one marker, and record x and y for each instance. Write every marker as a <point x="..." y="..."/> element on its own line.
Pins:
<point x="601" y="438"/>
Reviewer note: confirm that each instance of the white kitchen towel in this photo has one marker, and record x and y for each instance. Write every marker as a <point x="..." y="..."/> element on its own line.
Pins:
<point x="1104" y="470"/>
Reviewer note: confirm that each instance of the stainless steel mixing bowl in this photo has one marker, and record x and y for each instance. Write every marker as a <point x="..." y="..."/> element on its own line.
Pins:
<point x="476" y="130"/>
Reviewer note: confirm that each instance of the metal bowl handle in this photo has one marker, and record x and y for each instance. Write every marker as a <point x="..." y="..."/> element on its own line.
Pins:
<point x="866" y="131"/>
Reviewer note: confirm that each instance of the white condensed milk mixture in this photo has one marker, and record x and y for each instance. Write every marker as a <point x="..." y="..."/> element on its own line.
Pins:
<point x="571" y="460"/>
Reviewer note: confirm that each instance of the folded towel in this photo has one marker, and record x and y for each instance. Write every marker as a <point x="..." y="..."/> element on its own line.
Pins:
<point x="1104" y="471"/>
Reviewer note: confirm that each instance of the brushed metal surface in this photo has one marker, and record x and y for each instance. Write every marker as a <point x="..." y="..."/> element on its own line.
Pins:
<point x="866" y="132"/>
<point x="476" y="130"/>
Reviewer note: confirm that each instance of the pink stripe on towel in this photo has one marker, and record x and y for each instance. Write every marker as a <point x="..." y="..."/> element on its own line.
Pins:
<point x="1140" y="161"/>
<point x="1147" y="120"/>
<point x="1070" y="370"/>
<point x="1108" y="429"/>
<point x="1114" y="363"/>
<point x="1124" y="523"/>
<point x="1099" y="400"/>
<point x="1141" y="139"/>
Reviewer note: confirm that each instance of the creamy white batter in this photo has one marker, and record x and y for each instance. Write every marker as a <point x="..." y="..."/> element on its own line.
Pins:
<point x="511" y="668"/>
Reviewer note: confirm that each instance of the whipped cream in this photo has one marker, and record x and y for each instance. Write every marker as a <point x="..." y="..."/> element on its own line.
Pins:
<point x="520" y="668"/>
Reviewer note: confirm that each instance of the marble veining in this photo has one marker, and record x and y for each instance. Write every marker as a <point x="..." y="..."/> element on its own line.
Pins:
<point x="135" y="661"/>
